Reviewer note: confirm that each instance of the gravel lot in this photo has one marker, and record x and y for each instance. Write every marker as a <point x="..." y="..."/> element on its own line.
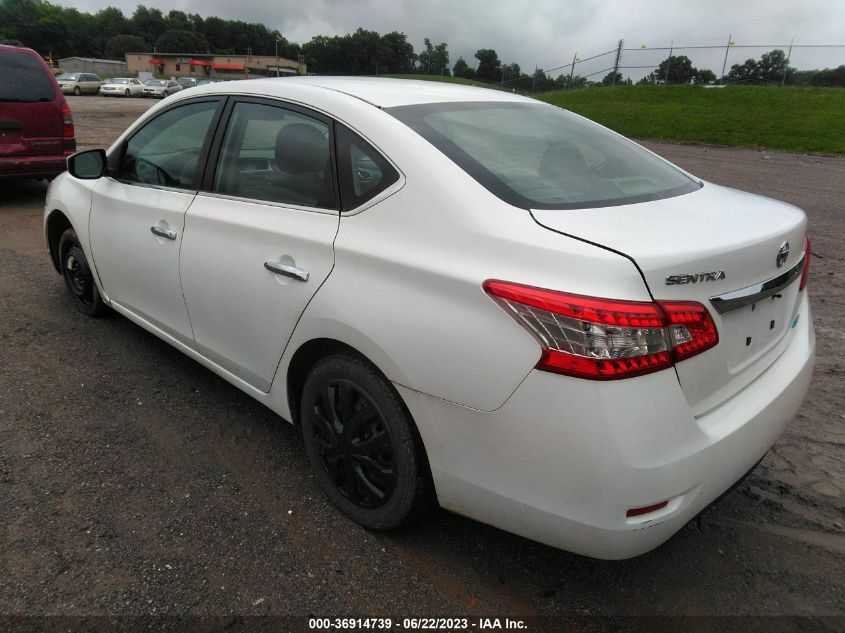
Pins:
<point x="133" y="481"/>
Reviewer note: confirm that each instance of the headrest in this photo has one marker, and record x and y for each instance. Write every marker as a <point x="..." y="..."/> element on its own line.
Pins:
<point x="301" y="149"/>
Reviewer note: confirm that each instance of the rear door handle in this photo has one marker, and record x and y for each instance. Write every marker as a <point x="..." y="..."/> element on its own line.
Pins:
<point x="294" y="272"/>
<point x="163" y="232"/>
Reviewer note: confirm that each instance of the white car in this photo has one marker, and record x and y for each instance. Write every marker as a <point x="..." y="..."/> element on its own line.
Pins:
<point x="160" y="88"/>
<point x="459" y="294"/>
<point x="79" y="83"/>
<point x="122" y="87"/>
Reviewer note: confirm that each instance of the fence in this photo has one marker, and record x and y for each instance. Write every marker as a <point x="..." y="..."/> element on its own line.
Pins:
<point x="645" y="59"/>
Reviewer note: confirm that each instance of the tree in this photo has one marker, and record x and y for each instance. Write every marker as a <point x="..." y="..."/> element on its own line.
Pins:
<point x="747" y="71"/>
<point x="609" y="78"/>
<point x="434" y="59"/>
<point x="179" y="41"/>
<point x="649" y="80"/>
<point x="462" y="69"/>
<point x="676" y="69"/>
<point x="488" y="64"/>
<point x="119" y="45"/>
<point x="510" y="71"/>
<point x="364" y="51"/>
<point x="828" y="77"/>
<point x="147" y="23"/>
<point x="773" y="65"/>
<point x="399" y="56"/>
<point x="441" y="58"/>
<point x="704" y="76"/>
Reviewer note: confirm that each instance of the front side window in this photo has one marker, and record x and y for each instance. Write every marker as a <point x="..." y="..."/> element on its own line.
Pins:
<point x="538" y="156"/>
<point x="364" y="172"/>
<point x="276" y="155"/>
<point x="166" y="150"/>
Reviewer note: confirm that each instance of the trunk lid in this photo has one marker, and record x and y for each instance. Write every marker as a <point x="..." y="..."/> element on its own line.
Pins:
<point x="709" y="243"/>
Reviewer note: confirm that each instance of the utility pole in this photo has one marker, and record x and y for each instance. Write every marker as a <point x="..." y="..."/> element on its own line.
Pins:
<point x="534" y="79"/>
<point x="277" y="57"/>
<point x="616" y="63"/>
<point x="572" y="70"/>
<point x="725" y="63"/>
<point x="786" y="67"/>
<point x="669" y="62"/>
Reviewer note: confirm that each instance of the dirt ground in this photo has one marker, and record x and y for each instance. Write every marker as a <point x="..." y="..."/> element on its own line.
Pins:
<point x="134" y="482"/>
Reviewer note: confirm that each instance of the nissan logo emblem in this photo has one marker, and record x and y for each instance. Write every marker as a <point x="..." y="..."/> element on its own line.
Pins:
<point x="783" y="253"/>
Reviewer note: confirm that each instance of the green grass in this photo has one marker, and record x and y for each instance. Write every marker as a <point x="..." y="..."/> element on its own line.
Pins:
<point x="791" y="118"/>
<point x="451" y="80"/>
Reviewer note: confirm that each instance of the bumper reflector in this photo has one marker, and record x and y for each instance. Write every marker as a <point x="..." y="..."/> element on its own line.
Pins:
<point x="636" y="512"/>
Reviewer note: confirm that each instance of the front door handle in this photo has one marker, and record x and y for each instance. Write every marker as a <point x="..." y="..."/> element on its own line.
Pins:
<point x="294" y="272"/>
<point x="163" y="232"/>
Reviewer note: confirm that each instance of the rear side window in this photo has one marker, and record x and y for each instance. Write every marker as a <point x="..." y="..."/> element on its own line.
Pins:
<point x="23" y="78"/>
<point x="277" y="155"/>
<point x="364" y="172"/>
<point x="166" y="150"/>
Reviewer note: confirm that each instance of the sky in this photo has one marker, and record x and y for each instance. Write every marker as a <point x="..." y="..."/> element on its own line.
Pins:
<point x="548" y="33"/>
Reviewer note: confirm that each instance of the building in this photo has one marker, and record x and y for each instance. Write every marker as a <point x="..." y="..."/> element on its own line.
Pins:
<point x="90" y="65"/>
<point x="215" y="66"/>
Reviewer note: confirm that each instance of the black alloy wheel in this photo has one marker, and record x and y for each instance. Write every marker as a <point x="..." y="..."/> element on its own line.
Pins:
<point x="362" y="444"/>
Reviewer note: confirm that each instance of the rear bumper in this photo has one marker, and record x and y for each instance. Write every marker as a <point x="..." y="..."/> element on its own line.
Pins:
<point x="33" y="166"/>
<point x="564" y="459"/>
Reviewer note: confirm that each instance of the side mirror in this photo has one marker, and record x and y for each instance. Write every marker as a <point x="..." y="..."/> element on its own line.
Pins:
<point x="87" y="165"/>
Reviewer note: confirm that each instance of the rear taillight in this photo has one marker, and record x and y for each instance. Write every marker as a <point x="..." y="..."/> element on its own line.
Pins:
<point x="805" y="269"/>
<point x="606" y="339"/>
<point x="67" y="121"/>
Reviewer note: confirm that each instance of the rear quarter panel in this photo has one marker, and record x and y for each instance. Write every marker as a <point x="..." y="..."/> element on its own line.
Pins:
<point x="407" y="292"/>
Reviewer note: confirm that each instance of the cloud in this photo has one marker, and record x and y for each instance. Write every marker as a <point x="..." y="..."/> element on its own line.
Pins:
<point x="547" y="33"/>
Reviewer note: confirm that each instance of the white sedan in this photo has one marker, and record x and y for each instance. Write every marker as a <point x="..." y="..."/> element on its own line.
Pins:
<point x="160" y="88"/>
<point x="460" y="295"/>
<point x="122" y="87"/>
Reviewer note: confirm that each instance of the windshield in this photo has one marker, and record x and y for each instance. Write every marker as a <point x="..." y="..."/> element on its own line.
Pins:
<point x="119" y="81"/>
<point x="23" y="78"/>
<point x="67" y="77"/>
<point x="538" y="156"/>
<point x="155" y="82"/>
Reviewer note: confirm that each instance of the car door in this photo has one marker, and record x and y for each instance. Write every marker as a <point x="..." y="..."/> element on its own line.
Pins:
<point x="259" y="237"/>
<point x="90" y="83"/>
<point x="138" y="213"/>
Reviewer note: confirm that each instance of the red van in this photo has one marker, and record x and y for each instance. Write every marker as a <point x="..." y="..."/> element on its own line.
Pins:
<point x="36" y="126"/>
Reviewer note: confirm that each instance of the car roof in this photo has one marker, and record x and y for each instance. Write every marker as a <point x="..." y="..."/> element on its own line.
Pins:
<point x="380" y="92"/>
<point x="22" y="50"/>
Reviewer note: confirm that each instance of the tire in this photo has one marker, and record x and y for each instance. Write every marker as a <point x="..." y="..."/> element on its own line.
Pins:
<point x="362" y="444"/>
<point x="77" y="91"/>
<point x="126" y="93"/>
<point x="78" y="277"/>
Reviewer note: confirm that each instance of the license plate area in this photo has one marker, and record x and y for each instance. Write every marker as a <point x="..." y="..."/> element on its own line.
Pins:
<point x="751" y="331"/>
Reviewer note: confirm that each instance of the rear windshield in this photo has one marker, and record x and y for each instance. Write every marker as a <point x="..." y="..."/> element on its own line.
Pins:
<point x="538" y="156"/>
<point x="24" y="79"/>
